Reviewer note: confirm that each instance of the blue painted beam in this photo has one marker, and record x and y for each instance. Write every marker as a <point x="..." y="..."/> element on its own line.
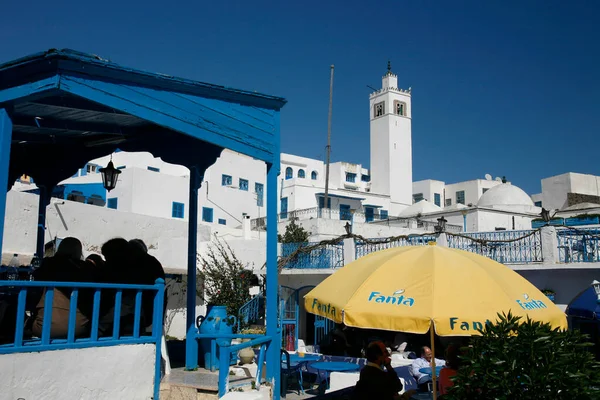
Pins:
<point x="251" y="131"/>
<point x="191" y="344"/>
<point x="30" y="91"/>
<point x="5" y="137"/>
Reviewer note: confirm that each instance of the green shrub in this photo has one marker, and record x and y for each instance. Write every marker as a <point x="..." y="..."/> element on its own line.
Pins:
<point x="517" y="360"/>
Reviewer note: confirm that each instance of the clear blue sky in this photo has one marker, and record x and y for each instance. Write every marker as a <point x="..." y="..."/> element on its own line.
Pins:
<point x="501" y="87"/>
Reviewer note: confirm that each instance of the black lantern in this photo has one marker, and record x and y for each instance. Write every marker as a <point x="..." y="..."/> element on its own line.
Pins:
<point x="441" y="226"/>
<point x="545" y="214"/>
<point x="110" y="175"/>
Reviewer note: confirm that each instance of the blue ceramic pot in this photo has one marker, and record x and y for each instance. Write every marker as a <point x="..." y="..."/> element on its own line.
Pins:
<point x="216" y="321"/>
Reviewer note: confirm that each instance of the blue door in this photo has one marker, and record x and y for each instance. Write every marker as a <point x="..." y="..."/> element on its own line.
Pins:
<point x="284" y="208"/>
<point x="345" y="214"/>
<point x="322" y="327"/>
<point x="369" y="214"/>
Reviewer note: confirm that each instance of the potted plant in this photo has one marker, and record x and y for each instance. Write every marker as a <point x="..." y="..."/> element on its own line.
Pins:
<point x="551" y="294"/>
<point x="246" y="355"/>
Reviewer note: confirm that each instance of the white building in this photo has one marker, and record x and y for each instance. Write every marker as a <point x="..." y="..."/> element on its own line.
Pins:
<point x="565" y="190"/>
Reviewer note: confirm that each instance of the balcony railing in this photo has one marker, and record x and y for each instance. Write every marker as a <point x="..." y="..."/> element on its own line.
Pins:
<point x="364" y="248"/>
<point x="501" y="246"/>
<point x="325" y="257"/>
<point x="578" y="245"/>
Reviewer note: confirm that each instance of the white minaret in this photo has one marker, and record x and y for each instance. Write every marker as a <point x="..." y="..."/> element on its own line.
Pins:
<point x="391" y="143"/>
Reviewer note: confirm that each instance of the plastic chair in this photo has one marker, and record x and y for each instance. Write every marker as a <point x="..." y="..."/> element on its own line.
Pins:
<point x="287" y="371"/>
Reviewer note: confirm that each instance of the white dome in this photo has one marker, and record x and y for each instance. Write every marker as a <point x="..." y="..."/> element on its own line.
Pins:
<point x="422" y="207"/>
<point x="505" y="195"/>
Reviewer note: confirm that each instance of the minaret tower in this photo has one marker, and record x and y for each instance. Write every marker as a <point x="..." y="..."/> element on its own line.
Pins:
<point x="391" y="142"/>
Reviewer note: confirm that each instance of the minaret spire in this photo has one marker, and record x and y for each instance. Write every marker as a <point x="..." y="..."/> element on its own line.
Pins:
<point x="389" y="67"/>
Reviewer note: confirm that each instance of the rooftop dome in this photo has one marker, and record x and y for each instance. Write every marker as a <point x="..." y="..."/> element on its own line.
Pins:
<point x="505" y="195"/>
<point x="422" y="207"/>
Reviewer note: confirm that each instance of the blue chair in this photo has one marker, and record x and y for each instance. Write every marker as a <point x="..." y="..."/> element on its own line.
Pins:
<point x="287" y="371"/>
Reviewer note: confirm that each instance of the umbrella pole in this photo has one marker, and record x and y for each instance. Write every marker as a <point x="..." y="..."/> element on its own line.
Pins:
<point x="433" y="371"/>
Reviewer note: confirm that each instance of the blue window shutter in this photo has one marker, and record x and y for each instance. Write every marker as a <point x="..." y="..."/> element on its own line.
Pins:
<point x="113" y="203"/>
<point x="313" y="175"/>
<point x="178" y="210"/>
<point x="154" y="169"/>
<point x="243" y="184"/>
<point x="289" y="174"/>
<point x="222" y="221"/>
<point x="383" y="214"/>
<point x="226" y="180"/>
<point x="259" y="189"/>
<point x="207" y="214"/>
<point x="301" y="173"/>
<point x="284" y="207"/>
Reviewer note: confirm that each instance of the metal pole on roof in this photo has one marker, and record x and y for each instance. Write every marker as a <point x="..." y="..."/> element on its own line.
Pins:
<point x="328" y="148"/>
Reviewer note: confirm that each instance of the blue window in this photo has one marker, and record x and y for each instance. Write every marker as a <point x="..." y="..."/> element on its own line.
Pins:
<point x="383" y="214"/>
<point x="259" y="189"/>
<point x="154" y="169"/>
<point x="177" y="210"/>
<point x="112" y="203"/>
<point x="222" y="221"/>
<point x="538" y="203"/>
<point x="289" y="174"/>
<point x="284" y="207"/>
<point x="345" y="214"/>
<point x="84" y="170"/>
<point x="207" y="214"/>
<point x="313" y="175"/>
<point x="322" y="202"/>
<point x="437" y="199"/>
<point x="350" y="177"/>
<point x="369" y="214"/>
<point x="460" y="197"/>
<point x="301" y="173"/>
<point x="226" y="180"/>
<point x="365" y="178"/>
<point x="417" y="197"/>
<point x="244" y="184"/>
<point x="121" y="167"/>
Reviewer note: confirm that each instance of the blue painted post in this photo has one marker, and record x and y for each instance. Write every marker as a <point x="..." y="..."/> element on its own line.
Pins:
<point x="191" y="344"/>
<point x="44" y="200"/>
<point x="5" y="138"/>
<point x="464" y="222"/>
<point x="274" y="347"/>
<point x="157" y="333"/>
<point x="223" y="346"/>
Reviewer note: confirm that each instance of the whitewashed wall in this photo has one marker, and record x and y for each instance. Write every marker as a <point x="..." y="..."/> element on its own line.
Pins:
<point x="100" y="373"/>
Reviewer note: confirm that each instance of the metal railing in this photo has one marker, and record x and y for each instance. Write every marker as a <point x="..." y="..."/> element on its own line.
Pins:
<point x="364" y="248"/>
<point x="522" y="251"/>
<point x="251" y="311"/>
<point x="16" y="292"/>
<point x="327" y="256"/>
<point x="578" y="245"/>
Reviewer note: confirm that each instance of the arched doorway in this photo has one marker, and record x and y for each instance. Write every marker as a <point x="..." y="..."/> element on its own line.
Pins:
<point x="296" y="322"/>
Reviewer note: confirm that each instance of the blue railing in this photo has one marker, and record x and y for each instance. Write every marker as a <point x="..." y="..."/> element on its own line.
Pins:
<point x="21" y="344"/>
<point x="363" y="248"/>
<point x="578" y="245"/>
<point x="251" y="311"/>
<point x="222" y="344"/>
<point x="527" y="249"/>
<point x="328" y="256"/>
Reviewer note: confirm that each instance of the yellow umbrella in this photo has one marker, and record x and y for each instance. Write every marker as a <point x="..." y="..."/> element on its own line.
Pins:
<point x="408" y="288"/>
<point x="425" y="288"/>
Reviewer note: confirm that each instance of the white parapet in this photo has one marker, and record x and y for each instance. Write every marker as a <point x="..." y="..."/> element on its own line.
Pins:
<point x="113" y="372"/>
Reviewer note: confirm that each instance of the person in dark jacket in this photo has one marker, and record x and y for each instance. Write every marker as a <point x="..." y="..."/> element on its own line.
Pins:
<point x="378" y="380"/>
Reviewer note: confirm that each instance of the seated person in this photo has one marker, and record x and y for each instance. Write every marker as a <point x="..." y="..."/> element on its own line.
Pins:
<point x="335" y="342"/>
<point x="423" y="362"/>
<point x="65" y="266"/>
<point x="378" y="380"/>
<point x="450" y="370"/>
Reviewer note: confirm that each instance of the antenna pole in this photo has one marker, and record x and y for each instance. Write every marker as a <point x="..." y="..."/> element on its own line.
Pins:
<point x="328" y="148"/>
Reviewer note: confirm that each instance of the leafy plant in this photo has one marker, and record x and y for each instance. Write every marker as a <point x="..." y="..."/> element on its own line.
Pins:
<point x="227" y="280"/>
<point x="294" y="233"/>
<point x="526" y="360"/>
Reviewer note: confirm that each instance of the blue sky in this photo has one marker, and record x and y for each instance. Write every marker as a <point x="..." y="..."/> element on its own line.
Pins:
<point x="501" y="87"/>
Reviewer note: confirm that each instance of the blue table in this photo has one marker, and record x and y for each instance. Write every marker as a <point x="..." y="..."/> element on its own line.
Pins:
<point x="427" y="370"/>
<point x="334" y="366"/>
